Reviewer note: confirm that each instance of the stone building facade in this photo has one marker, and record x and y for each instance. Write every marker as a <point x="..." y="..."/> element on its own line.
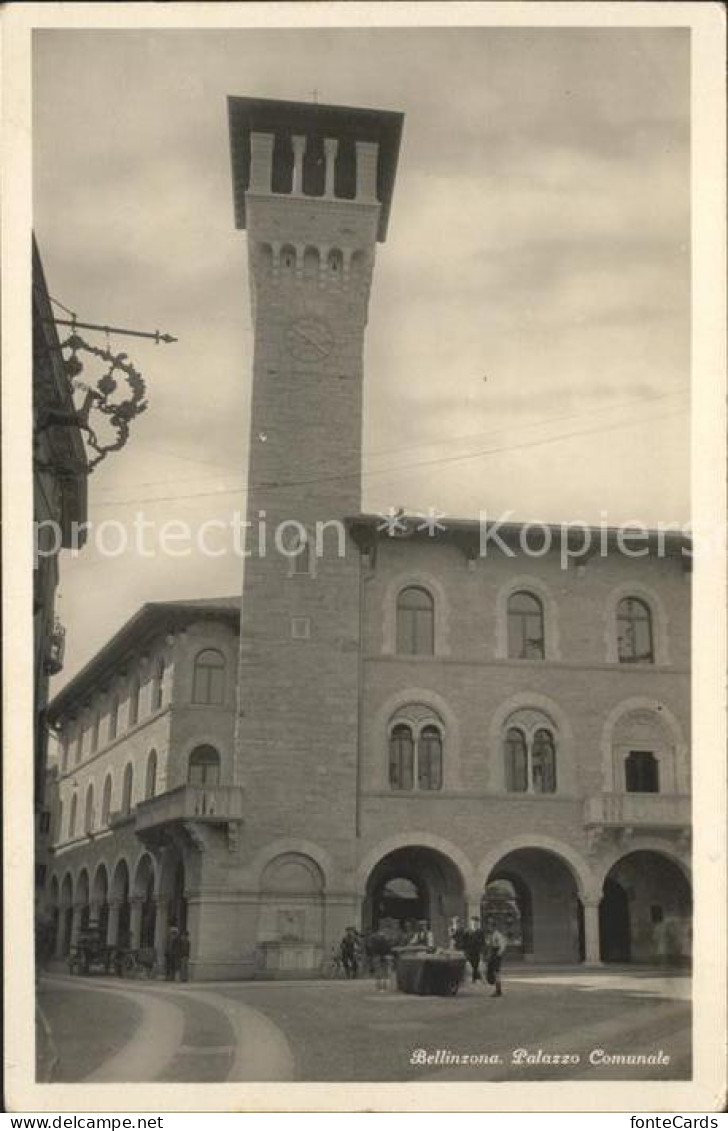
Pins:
<point x="148" y="722"/>
<point x="409" y="713"/>
<point x="59" y="505"/>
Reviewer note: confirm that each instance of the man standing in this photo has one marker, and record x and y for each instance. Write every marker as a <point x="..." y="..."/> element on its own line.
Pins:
<point x="349" y="953"/>
<point x="457" y="934"/>
<point x="171" y="954"/>
<point x="473" y="941"/>
<point x="381" y="951"/>
<point x="495" y="948"/>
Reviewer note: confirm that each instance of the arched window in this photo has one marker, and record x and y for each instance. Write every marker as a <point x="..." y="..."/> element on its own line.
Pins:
<point x="415" y="622"/>
<point x="401" y="758"/>
<point x="72" y="817"/>
<point x="150" y="785"/>
<point x="88" y="821"/>
<point x="429" y="758"/>
<point x="311" y="264"/>
<point x="525" y="627"/>
<point x="516" y="755"/>
<point x="204" y="766"/>
<point x="79" y="740"/>
<point x="543" y="762"/>
<point x="159" y="685"/>
<point x="126" y="791"/>
<point x="134" y="701"/>
<point x="642" y="772"/>
<point x="415" y="751"/>
<point x="529" y="751"/>
<point x="106" y="802"/>
<point x="634" y="632"/>
<point x="64" y="751"/>
<point x="209" y="678"/>
<point x="646" y="757"/>
<point x="288" y="260"/>
<point x="336" y="262"/>
<point x="265" y="260"/>
<point x="113" y="717"/>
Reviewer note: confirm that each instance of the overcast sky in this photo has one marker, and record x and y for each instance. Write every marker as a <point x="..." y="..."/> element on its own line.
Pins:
<point x="539" y="238"/>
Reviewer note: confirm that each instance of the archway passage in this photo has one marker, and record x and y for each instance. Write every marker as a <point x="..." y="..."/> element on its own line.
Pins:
<point x="82" y="899"/>
<point x="546" y="894"/>
<point x="66" y="916"/>
<point x="144" y="890"/>
<point x="506" y="892"/>
<point x="646" y="911"/>
<point x="100" y="900"/>
<point x="412" y="884"/>
<point x="121" y="931"/>
<point x="614" y="928"/>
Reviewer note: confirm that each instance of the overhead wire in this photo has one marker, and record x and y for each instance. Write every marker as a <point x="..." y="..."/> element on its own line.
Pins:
<point x="397" y="467"/>
<point x="462" y="438"/>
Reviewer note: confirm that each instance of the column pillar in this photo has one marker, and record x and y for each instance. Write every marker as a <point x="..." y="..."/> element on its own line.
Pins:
<point x="194" y="929"/>
<point x="76" y="923"/>
<point x="300" y="252"/>
<point x="473" y="901"/>
<point x="367" y="154"/>
<point x="261" y="162"/>
<point x="112" y="926"/>
<point x="331" y="148"/>
<point x="592" y="953"/>
<point x="135" y="921"/>
<point x="299" y="149"/>
<point x="161" y="925"/>
<point x="323" y="264"/>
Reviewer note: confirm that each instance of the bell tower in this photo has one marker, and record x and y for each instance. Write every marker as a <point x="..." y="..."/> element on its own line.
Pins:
<point x="312" y="186"/>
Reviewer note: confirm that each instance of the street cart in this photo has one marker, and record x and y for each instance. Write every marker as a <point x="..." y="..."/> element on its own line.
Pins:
<point x="420" y="971"/>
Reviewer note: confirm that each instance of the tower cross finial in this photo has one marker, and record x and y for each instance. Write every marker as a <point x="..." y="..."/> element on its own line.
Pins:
<point x="315" y="94"/>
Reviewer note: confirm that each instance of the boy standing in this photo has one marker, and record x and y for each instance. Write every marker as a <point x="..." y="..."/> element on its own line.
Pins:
<point x="495" y="948"/>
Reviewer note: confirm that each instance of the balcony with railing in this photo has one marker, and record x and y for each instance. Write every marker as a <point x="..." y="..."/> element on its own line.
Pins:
<point x="638" y="810"/>
<point x="211" y="805"/>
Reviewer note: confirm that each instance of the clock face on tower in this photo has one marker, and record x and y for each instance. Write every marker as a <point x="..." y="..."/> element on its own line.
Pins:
<point x="309" y="339"/>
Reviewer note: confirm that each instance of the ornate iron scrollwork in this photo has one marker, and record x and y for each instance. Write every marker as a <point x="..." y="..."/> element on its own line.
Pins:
<point x="120" y="412"/>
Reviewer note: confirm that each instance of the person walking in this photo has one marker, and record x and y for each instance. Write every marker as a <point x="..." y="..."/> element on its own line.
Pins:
<point x="473" y="941"/>
<point x="381" y="950"/>
<point x="348" y="949"/>
<point x="495" y="948"/>
<point x="171" y="954"/>
<point x="457" y="934"/>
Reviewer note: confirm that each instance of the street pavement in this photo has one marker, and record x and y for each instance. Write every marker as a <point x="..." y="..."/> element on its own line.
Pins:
<point x="550" y="1024"/>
